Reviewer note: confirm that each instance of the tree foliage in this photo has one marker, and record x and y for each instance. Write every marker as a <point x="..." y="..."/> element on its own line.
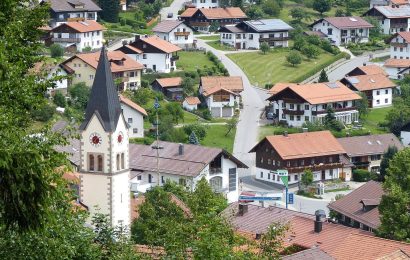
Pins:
<point x="362" y="105"/>
<point x="187" y="85"/>
<point x="199" y="130"/>
<point x="323" y="76"/>
<point x="310" y="51"/>
<point x="394" y="205"/>
<point x="384" y="164"/>
<point x="56" y="50"/>
<point x="307" y="177"/>
<point x="271" y="244"/>
<point x="59" y="99"/>
<point x="294" y="58"/>
<point x="110" y="10"/>
<point x="79" y="94"/>
<point x="231" y="124"/>
<point x="264" y="47"/>
<point x="193" y="139"/>
<point x="322" y="6"/>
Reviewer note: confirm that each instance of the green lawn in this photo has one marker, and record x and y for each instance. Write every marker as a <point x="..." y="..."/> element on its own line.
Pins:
<point x="192" y="60"/>
<point x="209" y="38"/>
<point x="217" y="45"/>
<point x="215" y="137"/>
<point x="272" y="67"/>
<point x="375" y="116"/>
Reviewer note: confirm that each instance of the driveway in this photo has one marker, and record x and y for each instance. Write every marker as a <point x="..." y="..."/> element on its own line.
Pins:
<point x="254" y="103"/>
<point x="173" y="8"/>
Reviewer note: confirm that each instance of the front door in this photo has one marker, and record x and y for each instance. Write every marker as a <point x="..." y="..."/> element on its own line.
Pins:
<point x="238" y="45"/>
<point x="149" y="178"/>
<point x="244" y="46"/>
<point x="154" y="67"/>
<point x="323" y="175"/>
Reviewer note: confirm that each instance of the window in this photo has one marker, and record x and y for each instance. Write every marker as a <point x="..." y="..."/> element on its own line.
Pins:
<point x="307" y="118"/>
<point x="91" y="77"/>
<point x="329" y="31"/>
<point x="291" y="106"/>
<point x="118" y="162"/>
<point x="375" y="157"/>
<point x="297" y="118"/>
<point x="268" y="176"/>
<point x="386" y="100"/>
<point x="288" y="163"/>
<point x="122" y="161"/>
<point x="162" y="179"/>
<point x="277" y="178"/>
<point x="278" y="163"/>
<point x="182" y="182"/>
<point x="386" y="91"/>
<point x="135" y="130"/>
<point x="100" y="163"/>
<point x="296" y="177"/>
<point x="331" y="172"/>
<point x="261" y="175"/>
<point x="324" y="106"/>
<point x="330" y="159"/>
<point x="378" y="101"/>
<point x="291" y="117"/>
<point x="250" y="36"/>
<point x="269" y="161"/>
<point x="144" y="56"/>
<point x="377" y="92"/>
<point x="283" y="116"/>
<point x="312" y="161"/>
<point x="132" y="74"/>
<point x="306" y="107"/>
<point x="139" y="177"/>
<point x="232" y="179"/>
<point x="91" y="163"/>
<point x="283" y="105"/>
<point x="129" y="120"/>
<point x="302" y="162"/>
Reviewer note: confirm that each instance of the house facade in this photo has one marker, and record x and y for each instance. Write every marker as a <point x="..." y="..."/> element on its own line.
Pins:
<point x="405" y="135"/>
<point x="397" y="68"/>
<point x="222" y="94"/>
<point x="123" y="68"/>
<point x="154" y="53"/>
<point x="76" y="36"/>
<point x="170" y="87"/>
<point x="366" y="152"/>
<point x="319" y="152"/>
<point x="205" y="3"/>
<point x="62" y="11"/>
<point x="392" y="19"/>
<point x="250" y="34"/>
<point x="398" y="64"/>
<point x="176" y="32"/>
<point x="51" y="70"/>
<point x="201" y="18"/>
<point x="185" y="164"/>
<point x="191" y="103"/>
<point x="343" y="30"/>
<point x="134" y="116"/>
<point x="296" y="104"/>
<point x="378" y="88"/>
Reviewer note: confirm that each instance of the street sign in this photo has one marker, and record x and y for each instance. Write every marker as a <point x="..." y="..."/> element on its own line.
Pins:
<point x="291" y="198"/>
<point x="276" y="197"/>
<point x="282" y="172"/>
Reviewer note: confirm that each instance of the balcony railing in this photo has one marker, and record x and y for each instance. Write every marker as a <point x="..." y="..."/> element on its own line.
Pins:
<point x="398" y="25"/>
<point x="199" y="24"/>
<point x="293" y="112"/>
<point x="213" y="170"/>
<point x="182" y="33"/>
<point x="77" y="40"/>
<point x="316" y="167"/>
<point x="274" y="39"/>
<point x="398" y="44"/>
<point x="334" y="109"/>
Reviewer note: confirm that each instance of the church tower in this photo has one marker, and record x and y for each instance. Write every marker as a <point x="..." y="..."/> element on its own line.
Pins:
<point x="104" y="170"/>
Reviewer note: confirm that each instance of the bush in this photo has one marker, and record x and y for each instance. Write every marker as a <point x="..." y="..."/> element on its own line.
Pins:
<point x="361" y="175"/>
<point x="206" y="114"/>
<point x="199" y="130"/>
<point x="88" y="48"/>
<point x="59" y="99"/>
<point x="56" y="50"/>
<point x="43" y="114"/>
<point x="80" y="94"/>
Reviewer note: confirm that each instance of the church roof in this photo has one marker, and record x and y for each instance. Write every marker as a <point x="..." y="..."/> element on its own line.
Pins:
<point x="104" y="100"/>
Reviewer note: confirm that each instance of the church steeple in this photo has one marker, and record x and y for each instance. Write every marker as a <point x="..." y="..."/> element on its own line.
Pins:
<point x="104" y="100"/>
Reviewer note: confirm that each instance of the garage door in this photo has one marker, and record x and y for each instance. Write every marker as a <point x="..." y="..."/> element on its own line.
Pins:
<point x="227" y="111"/>
<point x="216" y="112"/>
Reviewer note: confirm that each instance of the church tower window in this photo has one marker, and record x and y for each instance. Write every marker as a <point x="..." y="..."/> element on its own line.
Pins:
<point x="118" y="162"/>
<point x="122" y="161"/>
<point x="91" y="161"/>
<point x="100" y="163"/>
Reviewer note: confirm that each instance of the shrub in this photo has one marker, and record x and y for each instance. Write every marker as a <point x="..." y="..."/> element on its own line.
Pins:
<point x="43" y="113"/>
<point x="361" y="175"/>
<point x="56" y="50"/>
<point x="59" y="99"/>
<point x="206" y="114"/>
<point x="199" y="130"/>
<point x="88" y="48"/>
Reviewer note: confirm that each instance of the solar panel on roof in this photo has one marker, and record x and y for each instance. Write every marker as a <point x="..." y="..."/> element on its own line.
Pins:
<point x="354" y="80"/>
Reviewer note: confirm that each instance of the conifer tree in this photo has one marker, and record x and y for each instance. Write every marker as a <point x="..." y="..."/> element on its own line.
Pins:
<point x="193" y="139"/>
<point x="323" y="77"/>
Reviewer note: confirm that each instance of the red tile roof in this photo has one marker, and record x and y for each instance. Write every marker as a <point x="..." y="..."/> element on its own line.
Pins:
<point x="370" y="82"/>
<point x="351" y="204"/>
<point x="346" y="22"/>
<point x="397" y="63"/>
<point x="213" y="90"/>
<point x="304" y="145"/>
<point x="279" y="87"/>
<point x="86" y="26"/>
<point x="160" y="44"/>
<point x="372" y="69"/>
<point x="405" y="36"/>
<point x="133" y="105"/>
<point x="192" y="100"/>
<point x="233" y="83"/>
<point x="170" y="82"/>
<point x="216" y="13"/>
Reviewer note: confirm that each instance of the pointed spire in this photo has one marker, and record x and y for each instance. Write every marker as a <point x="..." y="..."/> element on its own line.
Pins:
<point x="104" y="100"/>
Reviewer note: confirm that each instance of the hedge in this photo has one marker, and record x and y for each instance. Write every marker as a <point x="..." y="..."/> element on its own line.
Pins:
<point x="360" y="175"/>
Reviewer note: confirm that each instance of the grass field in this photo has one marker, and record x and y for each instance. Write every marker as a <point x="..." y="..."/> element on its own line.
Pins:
<point x="217" y="45"/>
<point x="192" y="60"/>
<point x="375" y="116"/>
<point x="272" y="67"/>
<point x="209" y="38"/>
<point x="215" y="137"/>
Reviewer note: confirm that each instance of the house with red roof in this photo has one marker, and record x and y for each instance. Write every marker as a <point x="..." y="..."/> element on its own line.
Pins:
<point x="78" y="35"/>
<point x="399" y="62"/>
<point x="343" y="30"/>
<point x="153" y="52"/>
<point x="134" y="116"/>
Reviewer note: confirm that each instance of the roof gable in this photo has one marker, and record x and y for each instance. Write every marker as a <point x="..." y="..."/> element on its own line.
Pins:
<point x="370" y="82"/>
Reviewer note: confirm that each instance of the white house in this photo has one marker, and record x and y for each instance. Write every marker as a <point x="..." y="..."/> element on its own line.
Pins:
<point x="374" y="3"/>
<point x="377" y="87"/>
<point x="51" y="70"/>
<point x="153" y="52"/>
<point x="78" y="35"/>
<point x="250" y="34"/>
<point x="191" y="103"/>
<point x="392" y="19"/>
<point x="134" y="115"/>
<point x="185" y="164"/>
<point x="62" y="11"/>
<point x="399" y="62"/>
<point x="296" y="104"/>
<point x="205" y="3"/>
<point x="123" y="5"/>
<point x="222" y="94"/>
<point x="319" y="152"/>
<point x="176" y="32"/>
<point x="343" y="30"/>
<point x="104" y="161"/>
<point x="397" y="68"/>
<point x="405" y="135"/>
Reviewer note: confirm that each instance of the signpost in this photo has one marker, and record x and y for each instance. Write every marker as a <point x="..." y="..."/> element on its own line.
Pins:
<point x="277" y="196"/>
<point x="284" y="177"/>
<point x="291" y="198"/>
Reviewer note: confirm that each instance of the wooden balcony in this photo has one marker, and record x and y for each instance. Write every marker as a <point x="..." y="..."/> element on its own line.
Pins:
<point x="293" y="112"/>
<point x="77" y="40"/>
<point x="182" y="33"/>
<point x="213" y="170"/>
<point x="334" y="109"/>
<point x="274" y="39"/>
<point x="314" y="168"/>
<point x="199" y="24"/>
<point x="398" y="25"/>
<point x="399" y="44"/>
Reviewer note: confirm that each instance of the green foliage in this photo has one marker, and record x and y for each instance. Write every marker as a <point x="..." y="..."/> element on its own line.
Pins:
<point x="339" y="12"/>
<point x="363" y="105"/>
<point x="175" y="110"/>
<point x="322" y="6"/>
<point x="294" y="58"/>
<point x="323" y="76"/>
<point x="398" y="116"/>
<point x="331" y="122"/>
<point x="44" y="113"/>
<point x="79" y="94"/>
<point x="361" y="175"/>
<point x="56" y="50"/>
<point x="199" y="130"/>
<point x="310" y="51"/>
<point x="231" y="124"/>
<point x="142" y="95"/>
<point x="193" y="139"/>
<point x="307" y="177"/>
<point x="187" y="85"/>
<point x="264" y="47"/>
<point x="299" y="43"/>
<point x="298" y="14"/>
<point x="271" y="7"/>
<point x="394" y="205"/>
<point x="59" y="99"/>
<point x="214" y="26"/>
<point x="272" y="241"/>
<point x="254" y="12"/>
<point x="384" y="164"/>
<point x="86" y="49"/>
<point x="376" y="31"/>
<point x="110" y="10"/>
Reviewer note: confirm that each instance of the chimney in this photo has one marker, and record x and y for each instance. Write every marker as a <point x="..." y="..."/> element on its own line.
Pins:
<point x="305" y="129"/>
<point x="243" y="209"/>
<point x="318" y="222"/>
<point x="285" y="133"/>
<point x="364" y="64"/>
<point x="137" y="37"/>
<point x="181" y="149"/>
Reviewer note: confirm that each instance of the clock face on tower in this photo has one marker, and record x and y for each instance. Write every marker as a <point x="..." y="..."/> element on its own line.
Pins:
<point x="95" y="139"/>
<point x="120" y="137"/>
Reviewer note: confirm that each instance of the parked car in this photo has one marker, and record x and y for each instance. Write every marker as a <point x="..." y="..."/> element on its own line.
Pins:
<point x="170" y="15"/>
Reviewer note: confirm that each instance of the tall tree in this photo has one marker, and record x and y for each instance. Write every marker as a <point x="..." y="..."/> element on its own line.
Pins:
<point x="264" y="47"/>
<point x="394" y="205"/>
<point x="231" y="124"/>
<point x="322" y="6"/>
<point x="294" y="58"/>
<point x="110" y="10"/>
<point x="193" y="139"/>
<point x="384" y="164"/>
<point x="187" y="85"/>
<point x="363" y="105"/>
<point x="323" y="76"/>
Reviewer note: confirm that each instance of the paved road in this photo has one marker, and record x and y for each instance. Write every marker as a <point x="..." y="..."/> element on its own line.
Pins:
<point x="254" y="103"/>
<point x="173" y="8"/>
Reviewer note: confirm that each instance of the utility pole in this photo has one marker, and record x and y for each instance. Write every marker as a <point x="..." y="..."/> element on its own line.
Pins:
<point x="157" y="147"/>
